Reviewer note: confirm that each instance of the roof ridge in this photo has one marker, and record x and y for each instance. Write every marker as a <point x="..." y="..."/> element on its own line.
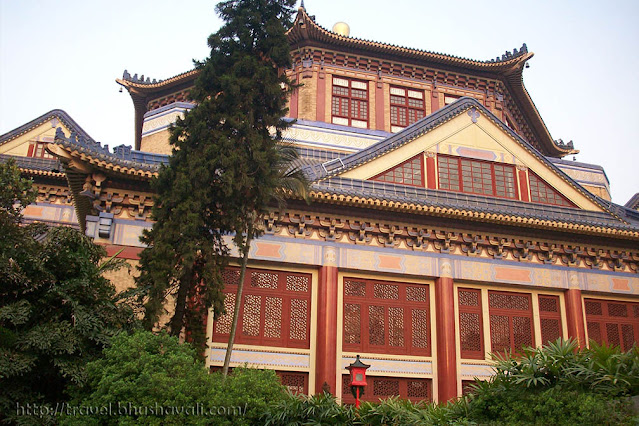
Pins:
<point x="57" y="113"/>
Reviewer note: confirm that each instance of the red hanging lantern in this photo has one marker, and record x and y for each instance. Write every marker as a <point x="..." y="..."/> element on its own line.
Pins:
<point x="358" y="378"/>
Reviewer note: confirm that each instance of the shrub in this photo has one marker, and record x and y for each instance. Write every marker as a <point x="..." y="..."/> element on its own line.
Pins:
<point x="142" y="372"/>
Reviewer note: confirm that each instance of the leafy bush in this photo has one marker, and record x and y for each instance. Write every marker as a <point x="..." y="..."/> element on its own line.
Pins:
<point x="303" y="410"/>
<point x="143" y="376"/>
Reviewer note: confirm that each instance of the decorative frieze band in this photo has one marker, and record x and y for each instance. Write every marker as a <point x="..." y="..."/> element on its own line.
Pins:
<point x="408" y="237"/>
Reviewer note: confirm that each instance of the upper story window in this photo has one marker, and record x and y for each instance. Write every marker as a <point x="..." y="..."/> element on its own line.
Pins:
<point x="350" y="102"/>
<point x="36" y="149"/>
<point x="541" y="192"/>
<point x="476" y="177"/>
<point x="406" y="107"/>
<point x="449" y="99"/>
<point x="408" y="173"/>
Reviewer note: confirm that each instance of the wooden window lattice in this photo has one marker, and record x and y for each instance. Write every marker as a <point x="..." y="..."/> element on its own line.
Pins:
<point x="471" y="340"/>
<point x="612" y="322"/>
<point x="550" y="318"/>
<point x="381" y="387"/>
<point x="275" y="309"/>
<point x="297" y="383"/>
<point x="511" y="325"/>
<point x="385" y="317"/>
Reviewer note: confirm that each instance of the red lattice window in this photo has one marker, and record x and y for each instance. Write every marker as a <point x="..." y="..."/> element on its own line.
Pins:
<point x="471" y="339"/>
<point x="350" y="102"/>
<point x="406" y="107"/>
<point x="550" y="318"/>
<point x="296" y="382"/>
<point x="612" y="322"/>
<point x="380" y="387"/>
<point x="511" y="321"/>
<point x="275" y="309"/>
<point x="410" y="172"/>
<point x="36" y="149"/>
<point x="386" y="317"/>
<point x="541" y="192"/>
<point x="476" y="177"/>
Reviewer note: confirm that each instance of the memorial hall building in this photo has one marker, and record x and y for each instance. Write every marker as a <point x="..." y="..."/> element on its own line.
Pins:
<point x="444" y="222"/>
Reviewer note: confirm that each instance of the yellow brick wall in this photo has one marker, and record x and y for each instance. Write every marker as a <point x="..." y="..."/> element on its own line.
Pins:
<point x="123" y="278"/>
<point x="156" y="142"/>
<point x="307" y="103"/>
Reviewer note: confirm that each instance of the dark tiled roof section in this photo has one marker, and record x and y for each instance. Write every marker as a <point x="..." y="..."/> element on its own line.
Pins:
<point x="123" y="154"/>
<point x="332" y="168"/>
<point x="31" y="163"/>
<point x="575" y="163"/>
<point x="309" y="157"/>
<point x="56" y="113"/>
<point x="478" y="203"/>
<point x="633" y="202"/>
<point x="299" y="30"/>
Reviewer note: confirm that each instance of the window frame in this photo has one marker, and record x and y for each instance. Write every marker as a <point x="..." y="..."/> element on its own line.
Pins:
<point x="368" y="300"/>
<point x="606" y="319"/>
<point x="37" y="150"/>
<point x="548" y="190"/>
<point x="480" y="164"/>
<point x="287" y="296"/>
<point x="511" y="313"/>
<point x="405" y="108"/>
<point x="422" y="182"/>
<point x="350" y="99"/>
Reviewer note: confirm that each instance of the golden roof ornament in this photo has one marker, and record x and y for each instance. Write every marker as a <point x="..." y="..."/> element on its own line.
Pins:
<point x="342" y="29"/>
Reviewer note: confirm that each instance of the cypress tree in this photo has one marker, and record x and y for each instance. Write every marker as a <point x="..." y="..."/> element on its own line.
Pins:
<point x="225" y="167"/>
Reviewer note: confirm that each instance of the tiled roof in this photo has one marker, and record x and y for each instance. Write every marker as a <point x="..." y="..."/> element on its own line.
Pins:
<point x="305" y="28"/>
<point x="49" y="167"/>
<point x="123" y="159"/>
<point x="56" y="113"/>
<point x="438" y="199"/>
<point x="633" y="202"/>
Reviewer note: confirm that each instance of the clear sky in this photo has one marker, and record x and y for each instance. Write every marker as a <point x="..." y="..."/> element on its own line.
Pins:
<point x="583" y="77"/>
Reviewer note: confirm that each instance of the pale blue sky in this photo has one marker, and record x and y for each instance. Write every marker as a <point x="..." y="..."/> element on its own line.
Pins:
<point x="583" y="78"/>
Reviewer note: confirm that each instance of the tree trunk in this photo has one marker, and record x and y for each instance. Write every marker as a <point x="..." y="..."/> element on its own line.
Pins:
<point x="238" y="300"/>
<point x="177" y="322"/>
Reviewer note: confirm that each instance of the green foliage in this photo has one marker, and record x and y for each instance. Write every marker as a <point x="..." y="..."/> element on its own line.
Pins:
<point x="391" y="411"/>
<point x="224" y="168"/>
<point x="602" y="369"/>
<point x="555" y="384"/>
<point x="16" y="192"/>
<point x="150" y="371"/>
<point x="57" y="311"/>
<point x="320" y="409"/>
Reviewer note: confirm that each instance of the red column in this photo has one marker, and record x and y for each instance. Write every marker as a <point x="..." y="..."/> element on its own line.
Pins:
<point x="434" y="101"/>
<point x="523" y="184"/>
<point x="379" y="107"/>
<point x="320" y="112"/>
<point x="575" y="316"/>
<point x="446" y="350"/>
<point x="294" y="98"/>
<point x="326" y="359"/>
<point x="431" y="170"/>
